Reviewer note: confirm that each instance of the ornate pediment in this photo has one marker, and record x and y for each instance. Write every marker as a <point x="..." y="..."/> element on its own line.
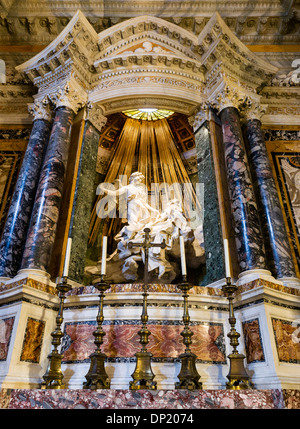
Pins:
<point x="70" y="54"/>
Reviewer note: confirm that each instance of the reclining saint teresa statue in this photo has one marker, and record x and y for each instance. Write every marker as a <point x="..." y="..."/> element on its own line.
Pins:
<point x="168" y="224"/>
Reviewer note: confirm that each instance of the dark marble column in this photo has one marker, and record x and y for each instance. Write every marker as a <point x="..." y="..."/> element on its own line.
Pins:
<point x="249" y="238"/>
<point x="18" y="218"/>
<point x="42" y="229"/>
<point x="268" y="203"/>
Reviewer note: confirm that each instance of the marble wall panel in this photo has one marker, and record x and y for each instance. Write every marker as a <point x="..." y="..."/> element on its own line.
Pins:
<point x="6" y="327"/>
<point x="33" y="339"/>
<point x="121" y="341"/>
<point x="287" y="340"/>
<point x="253" y="341"/>
<point x="287" y="167"/>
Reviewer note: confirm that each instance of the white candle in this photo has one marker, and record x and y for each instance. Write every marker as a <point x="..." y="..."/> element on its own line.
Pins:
<point x="227" y="258"/>
<point x="104" y="250"/>
<point x="67" y="258"/>
<point x="182" y="253"/>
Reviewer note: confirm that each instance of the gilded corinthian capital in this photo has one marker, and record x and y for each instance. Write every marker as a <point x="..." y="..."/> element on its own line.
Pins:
<point x="253" y="109"/>
<point x="41" y="109"/>
<point x="70" y="95"/>
<point x="226" y="96"/>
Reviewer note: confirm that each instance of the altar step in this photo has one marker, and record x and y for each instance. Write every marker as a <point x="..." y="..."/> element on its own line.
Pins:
<point x="149" y="400"/>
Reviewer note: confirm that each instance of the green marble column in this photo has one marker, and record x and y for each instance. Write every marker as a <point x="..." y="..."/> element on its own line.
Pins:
<point x="83" y="199"/>
<point x="213" y="242"/>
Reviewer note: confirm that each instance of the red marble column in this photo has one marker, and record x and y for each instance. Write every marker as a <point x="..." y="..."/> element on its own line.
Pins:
<point x="43" y="224"/>
<point x="249" y="238"/>
<point x="18" y="218"/>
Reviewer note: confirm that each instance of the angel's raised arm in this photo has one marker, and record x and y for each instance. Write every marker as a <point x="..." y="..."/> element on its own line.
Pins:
<point x="110" y="189"/>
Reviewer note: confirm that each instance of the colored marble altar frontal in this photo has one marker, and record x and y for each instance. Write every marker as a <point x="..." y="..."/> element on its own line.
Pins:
<point x="287" y="340"/>
<point x="121" y="341"/>
<point x="33" y="340"/>
<point x="253" y="341"/>
<point x="146" y="399"/>
<point x="6" y="327"/>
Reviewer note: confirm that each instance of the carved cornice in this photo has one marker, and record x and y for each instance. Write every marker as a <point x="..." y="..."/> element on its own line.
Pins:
<point x="72" y="51"/>
<point x="225" y="56"/>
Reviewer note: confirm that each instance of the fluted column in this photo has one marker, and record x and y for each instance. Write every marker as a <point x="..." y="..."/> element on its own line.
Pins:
<point x="18" y="218"/>
<point x="248" y="234"/>
<point x="44" y="219"/>
<point x="268" y="201"/>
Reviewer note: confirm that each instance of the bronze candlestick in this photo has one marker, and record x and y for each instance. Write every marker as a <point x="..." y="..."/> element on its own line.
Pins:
<point x="188" y="376"/>
<point x="143" y="375"/>
<point x="237" y="376"/>
<point x="53" y="379"/>
<point x="96" y="376"/>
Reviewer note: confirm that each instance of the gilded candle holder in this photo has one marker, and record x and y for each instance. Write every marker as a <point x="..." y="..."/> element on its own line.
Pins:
<point x="53" y="378"/>
<point x="97" y="377"/>
<point x="237" y="376"/>
<point x="188" y="376"/>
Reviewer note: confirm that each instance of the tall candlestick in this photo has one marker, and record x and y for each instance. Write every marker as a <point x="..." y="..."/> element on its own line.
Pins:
<point x="227" y="258"/>
<point x="104" y="250"/>
<point x="67" y="258"/>
<point x="182" y="253"/>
